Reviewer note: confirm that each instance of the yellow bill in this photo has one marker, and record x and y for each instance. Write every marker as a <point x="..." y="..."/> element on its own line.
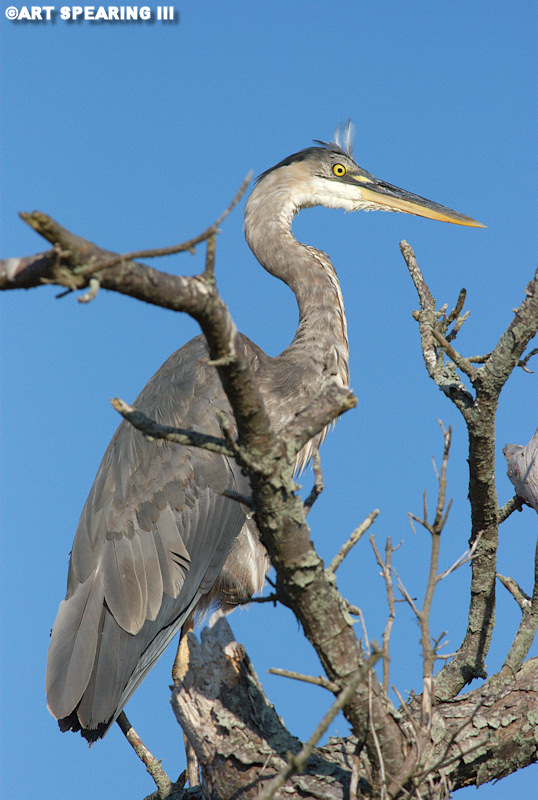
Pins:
<point x="384" y="195"/>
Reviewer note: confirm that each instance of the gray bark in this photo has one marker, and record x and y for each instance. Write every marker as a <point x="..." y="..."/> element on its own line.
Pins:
<point x="242" y="743"/>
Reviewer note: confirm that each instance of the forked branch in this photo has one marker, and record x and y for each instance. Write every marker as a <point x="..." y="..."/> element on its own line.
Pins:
<point x="478" y="410"/>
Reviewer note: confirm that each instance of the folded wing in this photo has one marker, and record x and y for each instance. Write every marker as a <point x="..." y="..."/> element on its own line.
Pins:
<point x="152" y="539"/>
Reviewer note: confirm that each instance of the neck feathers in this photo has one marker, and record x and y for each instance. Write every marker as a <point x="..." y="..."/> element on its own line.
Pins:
<point x="321" y="338"/>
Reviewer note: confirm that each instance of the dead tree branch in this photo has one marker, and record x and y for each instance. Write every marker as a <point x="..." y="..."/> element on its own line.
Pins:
<point x="478" y="410"/>
<point x="164" y="785"/>
<point x="386" y="572"/>
<point x="221" y="699"/>
<point x="355" y="537"/>
<point x="279" y="511"/>
<point x="318" y="486"/>
<point x="73" y="259"/>
<point x="153" y="430"/>
<point x="528" y="625"/>
<point x="222" y="705"/>
<point x="238" y="738"/>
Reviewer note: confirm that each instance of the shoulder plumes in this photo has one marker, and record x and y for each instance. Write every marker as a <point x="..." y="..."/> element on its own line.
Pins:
<point x="342" y="143"/>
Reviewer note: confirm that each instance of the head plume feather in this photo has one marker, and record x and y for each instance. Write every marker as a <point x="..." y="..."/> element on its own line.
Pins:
<point x="343" y="139"/>
<point x="343" y="143"/>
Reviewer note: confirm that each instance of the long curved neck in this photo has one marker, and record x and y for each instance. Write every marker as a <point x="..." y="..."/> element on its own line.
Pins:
<point x="322" y="333"/>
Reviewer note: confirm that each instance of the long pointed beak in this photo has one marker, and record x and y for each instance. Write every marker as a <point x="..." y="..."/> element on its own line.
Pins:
<point x="387" y="197"/>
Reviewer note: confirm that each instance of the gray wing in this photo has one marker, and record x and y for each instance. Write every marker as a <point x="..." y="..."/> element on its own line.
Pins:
<point x="152" y="539"/>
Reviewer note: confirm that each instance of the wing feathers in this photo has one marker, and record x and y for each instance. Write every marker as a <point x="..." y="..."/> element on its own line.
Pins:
<point x="173" y="555"/>
<point x="152" y="539"/>
<point x="154" y="578"/>
<point x="124" y="579"/>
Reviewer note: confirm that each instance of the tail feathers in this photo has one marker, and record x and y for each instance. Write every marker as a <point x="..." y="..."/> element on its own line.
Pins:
<point x="112" y="669"/>
<point x="120" y="662"/>
<point x="72" y="723"/>
<point x="73" y="647"/>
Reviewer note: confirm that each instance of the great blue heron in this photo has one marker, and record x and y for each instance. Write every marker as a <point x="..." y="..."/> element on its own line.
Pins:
<point x="158" y="540"/>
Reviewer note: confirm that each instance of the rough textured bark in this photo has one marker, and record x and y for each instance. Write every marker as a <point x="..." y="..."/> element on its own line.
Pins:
<point x="492" y="731"/>
<point x="241" y="742"/>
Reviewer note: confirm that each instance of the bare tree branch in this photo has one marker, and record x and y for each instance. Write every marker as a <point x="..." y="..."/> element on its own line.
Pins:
<point x="317" y="681"/>
<point x="352" y="541"/>
<point x="318" y="486"/>
<point x="73" y="259"/>
<point x="528" y="625"/>
<point x="153" y="765"/>
<point x="386" y="572"/>
<point x="296" y="763"/>
<point x="153" y="430"/>
<point x="523" y="600"/>
<point x="479" y="414"/>
<point x="514" y="504"/>
<point x="221" y="699"/>
<point x="399" y="753"/>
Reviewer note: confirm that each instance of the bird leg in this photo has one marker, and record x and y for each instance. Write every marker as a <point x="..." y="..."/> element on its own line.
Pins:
<point x="179" y="670"/>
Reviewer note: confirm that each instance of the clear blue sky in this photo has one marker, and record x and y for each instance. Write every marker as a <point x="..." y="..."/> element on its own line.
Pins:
<point x="138" y="135"/>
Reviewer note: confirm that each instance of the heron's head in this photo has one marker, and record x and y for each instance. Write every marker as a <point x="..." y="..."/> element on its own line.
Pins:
<point x="328" y="176"/>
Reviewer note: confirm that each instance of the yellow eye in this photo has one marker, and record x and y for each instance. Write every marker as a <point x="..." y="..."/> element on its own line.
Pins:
<point x="339" y="170"/>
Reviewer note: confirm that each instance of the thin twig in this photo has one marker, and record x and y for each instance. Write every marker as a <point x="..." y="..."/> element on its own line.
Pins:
<point x="381" y="763"/>
<point x="298" y="676"/>
<point x="429" y="653"/>
<point x="153" y="765"/>
<point x="407" y="597"/>
<point x="270" y="598"/>
<point x="153" y="430"/>
<point x="478" y="359"/>
<point x="386" y="572"/>
<point x="364" y="631"/>
<point x="318" y="486"/>
<point x="459" y="360"/>
<point x="522" y="599"/>
<point x="353" y="539"/>
<point x="355" y="611"/>
<point x="465" y="558"/>
<point x="528" y="624"/>
<point x="514" y="504"/>
<point x="296" y="762"/>
<point x="240" y="498"/>
<point x="189" y="245"/>
<point x="524" y="361"/>
<point x="405" y="708"/>
<point x="456" y="311"/>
